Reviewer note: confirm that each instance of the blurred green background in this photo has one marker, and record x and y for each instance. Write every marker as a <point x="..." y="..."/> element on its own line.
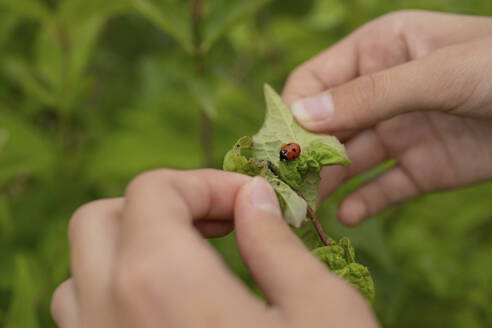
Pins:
<point x="93" y="92"/>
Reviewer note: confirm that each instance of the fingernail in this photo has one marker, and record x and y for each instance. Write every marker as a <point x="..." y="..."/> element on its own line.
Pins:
<point x="316" y="108"/>
<point x="262" y="196"/>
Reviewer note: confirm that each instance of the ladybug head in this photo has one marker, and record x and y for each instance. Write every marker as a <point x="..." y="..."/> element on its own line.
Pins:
<point x="283" y="155"/>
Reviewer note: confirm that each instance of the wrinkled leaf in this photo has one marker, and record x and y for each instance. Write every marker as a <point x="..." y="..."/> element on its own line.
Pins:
<point x="287" y="178"/>
<point x="340" y="258"/>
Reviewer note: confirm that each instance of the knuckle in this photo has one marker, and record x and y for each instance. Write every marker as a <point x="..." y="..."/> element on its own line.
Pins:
<point x="80" y="218"/>
<point x="146" y="181"/>
<point x="399" y="15"/>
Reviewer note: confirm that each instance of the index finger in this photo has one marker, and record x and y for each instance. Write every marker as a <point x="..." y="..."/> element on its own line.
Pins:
<point x="334" y="66"/>
<point x="164" y="263"/>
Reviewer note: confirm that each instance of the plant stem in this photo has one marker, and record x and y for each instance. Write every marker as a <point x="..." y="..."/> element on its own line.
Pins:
<point x="317" y="224"/>
<point x="205" y="122"/>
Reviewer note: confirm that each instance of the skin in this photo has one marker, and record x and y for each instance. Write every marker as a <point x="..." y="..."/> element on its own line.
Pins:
<point x="141" y="261"/>
<point x="414" y="86"/>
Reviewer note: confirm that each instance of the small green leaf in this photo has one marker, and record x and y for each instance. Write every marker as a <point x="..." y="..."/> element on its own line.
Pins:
<point x="22" y="310"/>
<point x="340" y="258"/>
<point x="170" y="16"/>
<point x="224" y="14"/>
<point x="34" y="9"/>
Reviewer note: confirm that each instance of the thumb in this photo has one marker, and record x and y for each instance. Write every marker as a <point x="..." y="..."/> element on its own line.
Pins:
<point x="277" y="259"/>
<point x="444" y="81"/>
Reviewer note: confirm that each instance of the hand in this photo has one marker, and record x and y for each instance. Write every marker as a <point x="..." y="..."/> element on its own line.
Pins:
<point x="139" y="261"/>
<point x="413" y="86"/>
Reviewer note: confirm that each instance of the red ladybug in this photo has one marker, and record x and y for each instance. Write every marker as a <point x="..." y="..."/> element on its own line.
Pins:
<point x="290" y="151"/>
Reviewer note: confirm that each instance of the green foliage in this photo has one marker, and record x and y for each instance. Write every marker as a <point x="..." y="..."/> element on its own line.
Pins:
<point x="340" y="258"/>
<point x="93" y="92"/>
<point x="259" y="155"/>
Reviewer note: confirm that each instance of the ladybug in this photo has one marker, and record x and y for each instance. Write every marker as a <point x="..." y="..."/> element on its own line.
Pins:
<point x="290" y="151"/>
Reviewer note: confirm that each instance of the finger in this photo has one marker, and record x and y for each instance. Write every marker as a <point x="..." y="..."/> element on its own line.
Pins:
<point x="160" y="242"/>
<point x="365" y="150"/>
<point x="64" y="305"/>
<point x="385" y="42"/>
<point x="279" y="262"/>
<point x="390" y="188"/>
<point x="334" y="66"/>
<point x="93" y="235"/>
<point x="447" y="81"/>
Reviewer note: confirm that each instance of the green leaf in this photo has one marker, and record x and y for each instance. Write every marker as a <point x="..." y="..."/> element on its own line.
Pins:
<point x="170" y="16"/>
<point x="6" y="222"/>
<point x="21" y="73"/>
<point x="8" y="23"/>
<point x="287" y="178"/>
<point x="224" y="14"/>
<point x="62" y="56"/>
<point x="34" y="9"/>
<point x="74" y="12"/>
<point x="280" y="128"/>
<point x="49" y="57"/>
<point x="25" y="150"/>
<point x="84" y="38"/>
<point x="203" y="95"/>
<point x="22" y="310"/>
<point x="340" y="258"/>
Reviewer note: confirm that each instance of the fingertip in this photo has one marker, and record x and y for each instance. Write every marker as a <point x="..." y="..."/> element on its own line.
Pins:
<point x="352" y="212"/>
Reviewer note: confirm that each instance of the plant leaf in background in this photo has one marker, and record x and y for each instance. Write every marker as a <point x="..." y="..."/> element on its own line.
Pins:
<point x="6" y="222"/>
<point x="22" y="310"/>
<point x="223" y="15"/>
<point x="203" y="94"/>
<point x="34" y="9"/>
<point x="302" y="174"/>
<point x="25" y="151"/>
<point x="20" y="72"/>
<point x="171" y="16"/>
<point x="72" y="12"/>
<point x="8" y="22"/>
<point x="62" y="55"/>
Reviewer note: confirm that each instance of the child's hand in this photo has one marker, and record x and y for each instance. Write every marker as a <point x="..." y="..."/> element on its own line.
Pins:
<point x="414" y="86"/>
<point x="140" y="261"/>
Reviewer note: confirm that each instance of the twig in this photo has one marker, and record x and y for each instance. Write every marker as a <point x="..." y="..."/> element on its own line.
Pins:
<point x="317" y="224"/>
<point x="206" y="123"/>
